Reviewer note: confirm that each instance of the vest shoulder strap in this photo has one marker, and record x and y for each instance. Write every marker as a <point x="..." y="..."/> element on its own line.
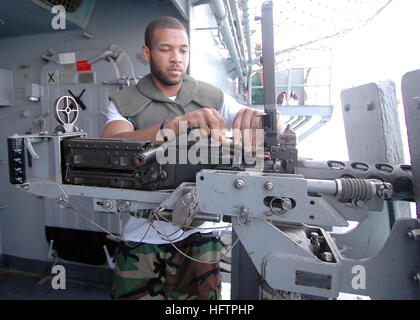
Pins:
<point x="129" y="101"/>
<point x="208" y="96"/>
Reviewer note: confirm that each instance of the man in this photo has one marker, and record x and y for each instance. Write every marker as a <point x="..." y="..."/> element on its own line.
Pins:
<point x="150" y="266"/>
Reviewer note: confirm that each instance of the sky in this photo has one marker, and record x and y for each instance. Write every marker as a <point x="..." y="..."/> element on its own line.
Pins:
<point x="385" y="49"/>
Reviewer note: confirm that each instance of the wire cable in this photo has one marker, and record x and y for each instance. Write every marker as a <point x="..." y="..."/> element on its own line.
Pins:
<point x="222" y="255"/>
<point x="65" y="204"/>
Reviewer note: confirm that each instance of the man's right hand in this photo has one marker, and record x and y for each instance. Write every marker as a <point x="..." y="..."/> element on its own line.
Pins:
<point x="210" y="122"/>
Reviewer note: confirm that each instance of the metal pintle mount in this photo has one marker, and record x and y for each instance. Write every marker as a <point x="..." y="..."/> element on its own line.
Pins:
<point x="66" y="113"/>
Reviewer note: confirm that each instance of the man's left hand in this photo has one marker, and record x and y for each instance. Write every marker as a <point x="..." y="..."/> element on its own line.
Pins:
<point x="247" y="124"/>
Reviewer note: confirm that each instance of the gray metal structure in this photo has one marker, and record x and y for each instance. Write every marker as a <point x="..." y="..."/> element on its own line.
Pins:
<point x="374" y="108"/>
<point x="412" y="107"/>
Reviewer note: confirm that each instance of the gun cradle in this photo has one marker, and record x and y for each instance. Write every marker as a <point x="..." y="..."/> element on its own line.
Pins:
<point x="289" y="210"/>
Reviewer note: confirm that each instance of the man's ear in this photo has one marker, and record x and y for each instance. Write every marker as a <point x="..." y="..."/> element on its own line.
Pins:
<point x="145" y="51"/>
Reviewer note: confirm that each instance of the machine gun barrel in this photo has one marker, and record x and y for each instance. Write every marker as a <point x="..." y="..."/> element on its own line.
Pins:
<point x="398" y="175"/>
<point x="146" y="157"/>
<point x="347" y="189"/>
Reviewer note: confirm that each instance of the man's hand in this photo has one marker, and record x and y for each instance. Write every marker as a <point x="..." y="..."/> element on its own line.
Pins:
<point x="246" y="125"/>
<point x="208" y="120"/>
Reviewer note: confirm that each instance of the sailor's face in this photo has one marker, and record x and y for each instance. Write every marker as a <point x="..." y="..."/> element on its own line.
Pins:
<point x="169" y="55"/>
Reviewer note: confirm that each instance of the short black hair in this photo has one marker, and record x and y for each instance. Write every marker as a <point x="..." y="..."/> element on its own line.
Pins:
<point x="161" y="23"/>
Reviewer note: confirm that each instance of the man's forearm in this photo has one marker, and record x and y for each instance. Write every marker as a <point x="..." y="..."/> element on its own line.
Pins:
<point x="153" y="133"/>
<point x="150" y="133"/>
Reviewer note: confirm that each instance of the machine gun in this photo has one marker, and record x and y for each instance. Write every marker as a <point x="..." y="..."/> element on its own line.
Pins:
<point x="283" y="210"/>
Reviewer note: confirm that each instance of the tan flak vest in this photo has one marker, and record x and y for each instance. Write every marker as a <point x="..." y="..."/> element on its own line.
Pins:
<point x="144" y="105"/>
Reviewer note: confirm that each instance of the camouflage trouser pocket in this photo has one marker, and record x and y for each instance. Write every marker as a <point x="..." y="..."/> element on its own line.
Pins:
<point x="148" y="271"/>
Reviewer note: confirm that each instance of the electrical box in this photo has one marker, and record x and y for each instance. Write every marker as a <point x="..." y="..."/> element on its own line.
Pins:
<point x="5" y="87"/>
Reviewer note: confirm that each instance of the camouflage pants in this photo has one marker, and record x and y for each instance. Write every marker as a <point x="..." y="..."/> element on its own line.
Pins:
<point x="160" y="272"/>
